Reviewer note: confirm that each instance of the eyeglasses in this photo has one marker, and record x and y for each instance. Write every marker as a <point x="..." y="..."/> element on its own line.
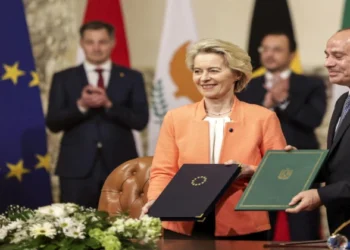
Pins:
<point x="263" y="49"/>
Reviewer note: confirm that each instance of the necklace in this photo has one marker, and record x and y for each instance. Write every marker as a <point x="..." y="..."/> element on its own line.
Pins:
<point x="218" y="114"/>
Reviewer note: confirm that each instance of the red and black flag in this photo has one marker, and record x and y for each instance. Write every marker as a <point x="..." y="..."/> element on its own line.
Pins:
<point x="270" y="16"/>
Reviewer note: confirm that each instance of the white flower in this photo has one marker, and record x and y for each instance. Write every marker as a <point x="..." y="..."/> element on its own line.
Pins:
<point x="17" y="224"/>
<point x="112" y="229"/>
<point x="65" y="222"/>
<point x="70" y="207"/>
<point x="119" y="225"/>
<point x="146" y="219"/>
<point x="45" y="229"/>
<point x="20" y="236"/>
<point x="56" y="210"/>
<point x="3" y="233"/>
<point x="75" y="231"/>
<point x="3" y="219"/>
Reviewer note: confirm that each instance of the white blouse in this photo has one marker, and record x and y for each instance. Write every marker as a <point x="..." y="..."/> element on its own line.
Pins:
<point x="216" y="133"/>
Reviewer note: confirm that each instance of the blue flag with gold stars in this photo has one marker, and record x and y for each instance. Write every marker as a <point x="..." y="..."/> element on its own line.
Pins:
<point x="24" y="162"/>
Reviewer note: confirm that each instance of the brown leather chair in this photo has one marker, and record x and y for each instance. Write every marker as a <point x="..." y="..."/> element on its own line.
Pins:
<point x="126" y="187"/>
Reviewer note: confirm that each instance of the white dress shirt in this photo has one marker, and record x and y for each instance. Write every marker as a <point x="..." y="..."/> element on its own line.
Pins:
<point x="216" y="133"/>
<point x="92" y="75"/>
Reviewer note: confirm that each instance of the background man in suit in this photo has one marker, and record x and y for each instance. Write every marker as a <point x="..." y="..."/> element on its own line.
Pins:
<point x="300" y="104"/>
<point x="96" y="105"/>
<point x="336" y="171"/>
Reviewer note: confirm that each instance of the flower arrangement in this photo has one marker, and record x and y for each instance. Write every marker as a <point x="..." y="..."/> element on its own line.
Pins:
<point x="67" y="226"/>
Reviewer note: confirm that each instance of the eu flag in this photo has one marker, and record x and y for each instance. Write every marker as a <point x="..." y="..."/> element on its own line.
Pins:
<point x="24" y="162"/>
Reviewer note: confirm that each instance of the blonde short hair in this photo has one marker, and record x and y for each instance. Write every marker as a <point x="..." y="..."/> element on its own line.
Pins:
<point x="235" y="57"/>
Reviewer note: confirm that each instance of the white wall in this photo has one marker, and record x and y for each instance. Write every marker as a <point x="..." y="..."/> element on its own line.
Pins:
<point x="314" y="22"/>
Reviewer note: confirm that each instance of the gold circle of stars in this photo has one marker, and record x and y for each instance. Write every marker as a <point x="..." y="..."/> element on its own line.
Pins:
<point x="199" y="180"/>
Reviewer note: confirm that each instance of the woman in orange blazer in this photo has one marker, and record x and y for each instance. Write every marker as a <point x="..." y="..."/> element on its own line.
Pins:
<point x="218" y="129"/>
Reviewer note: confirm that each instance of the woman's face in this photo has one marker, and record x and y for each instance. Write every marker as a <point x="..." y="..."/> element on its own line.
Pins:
<point x="213" y="78"/>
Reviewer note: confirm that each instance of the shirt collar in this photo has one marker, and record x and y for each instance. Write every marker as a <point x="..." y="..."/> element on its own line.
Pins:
<point x="284" y="74"/>
<point x="106" y="66"/>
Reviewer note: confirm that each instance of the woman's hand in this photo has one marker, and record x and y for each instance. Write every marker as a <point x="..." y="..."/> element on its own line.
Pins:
<point x="289" y="148"/>
<point x="246" y="170"/>
<point x="145" y="208"/>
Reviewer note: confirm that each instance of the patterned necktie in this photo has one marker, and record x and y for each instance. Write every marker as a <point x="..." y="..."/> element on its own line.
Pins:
<point x="100" y="82"/>
<point x="346" y="108"/>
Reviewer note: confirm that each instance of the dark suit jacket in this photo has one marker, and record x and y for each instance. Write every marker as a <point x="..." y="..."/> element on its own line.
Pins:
<point x="110" y="127"/>
<point x="336" y="171"/>
<point x="304" y="113"/>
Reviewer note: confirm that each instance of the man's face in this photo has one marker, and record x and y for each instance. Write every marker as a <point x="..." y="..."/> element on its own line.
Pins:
<point x="97" y="45"/>
<point x="274" y="53"/>
<point x="338" y="58"/>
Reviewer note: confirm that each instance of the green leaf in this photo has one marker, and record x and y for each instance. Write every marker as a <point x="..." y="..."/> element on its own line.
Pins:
<point x="66" y="242"/>
<point x="50" y="247"/>
<point x="64" y="248"/>
<point x="102" y="214"/>
<point x="78" y="246"/>
<point x="8" y="247"/>
<point x="93" y="243"/>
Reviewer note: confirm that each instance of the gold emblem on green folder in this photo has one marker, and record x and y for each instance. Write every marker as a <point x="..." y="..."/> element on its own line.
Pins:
<point x="285" y="174"/>
<point x="199" y="180"/>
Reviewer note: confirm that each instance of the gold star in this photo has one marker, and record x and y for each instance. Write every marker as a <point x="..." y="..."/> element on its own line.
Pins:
<point x="44" y="162"/>
<point x="17" y="170"/>
<point x="12" y="72"/>
<point x="35" y="79"/>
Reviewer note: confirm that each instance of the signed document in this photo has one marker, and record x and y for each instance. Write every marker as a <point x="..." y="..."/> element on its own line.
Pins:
<point x="280" y="176"/>
<point x="193" y="192"/>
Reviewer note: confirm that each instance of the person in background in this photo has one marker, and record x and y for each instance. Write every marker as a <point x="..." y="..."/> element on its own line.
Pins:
<point x="300" y="103"/>
<point x="218" y="129"/>
<point x="95" y="105"/>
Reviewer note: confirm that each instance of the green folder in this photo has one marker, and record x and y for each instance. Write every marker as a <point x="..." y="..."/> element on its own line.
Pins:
<point x="280" y="176"/>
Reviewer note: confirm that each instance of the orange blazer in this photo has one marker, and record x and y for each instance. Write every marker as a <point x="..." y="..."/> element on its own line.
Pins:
<point x="184" y="138"/>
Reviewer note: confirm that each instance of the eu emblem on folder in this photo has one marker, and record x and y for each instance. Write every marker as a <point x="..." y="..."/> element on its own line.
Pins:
<point x="193" y="192"/>
<point x="280" y="176"/>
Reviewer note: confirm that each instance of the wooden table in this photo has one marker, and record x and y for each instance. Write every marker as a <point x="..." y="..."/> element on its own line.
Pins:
<point x="228" y="245"/>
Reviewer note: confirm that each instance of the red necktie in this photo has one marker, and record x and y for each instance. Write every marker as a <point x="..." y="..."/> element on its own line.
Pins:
<point x="100" y="82"/>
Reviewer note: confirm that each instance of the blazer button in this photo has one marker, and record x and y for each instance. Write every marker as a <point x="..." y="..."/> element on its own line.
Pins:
<point x="99" y="145"/>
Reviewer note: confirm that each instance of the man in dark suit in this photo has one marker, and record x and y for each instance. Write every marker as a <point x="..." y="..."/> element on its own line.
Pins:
<point x="336" y="170"/>
<point x="300" y="104"/>
<point x="96" y="105"/>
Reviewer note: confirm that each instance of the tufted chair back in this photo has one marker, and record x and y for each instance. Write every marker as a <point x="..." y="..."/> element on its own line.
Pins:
<point x="126" y="187"/>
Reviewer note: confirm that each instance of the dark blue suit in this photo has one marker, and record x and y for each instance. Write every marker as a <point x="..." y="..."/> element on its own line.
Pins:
<point x="81" y="156"/>
<point x="305" y="112"/>
<point x="336" y="171"/>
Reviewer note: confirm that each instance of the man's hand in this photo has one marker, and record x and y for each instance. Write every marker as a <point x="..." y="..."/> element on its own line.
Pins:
<point x="246" y="170"/>
<point x="93" y="97"/>
<point x="102" y="98"/>
<point x="87" y="99"/>
<point x="280" y="90"/>
<point x="268" y="101"/>
<point x="145" y="208"/>
<point x="308" y="200"/>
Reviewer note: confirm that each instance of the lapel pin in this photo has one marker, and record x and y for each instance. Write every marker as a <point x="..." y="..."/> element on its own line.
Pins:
<point x="121" y="74"/>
